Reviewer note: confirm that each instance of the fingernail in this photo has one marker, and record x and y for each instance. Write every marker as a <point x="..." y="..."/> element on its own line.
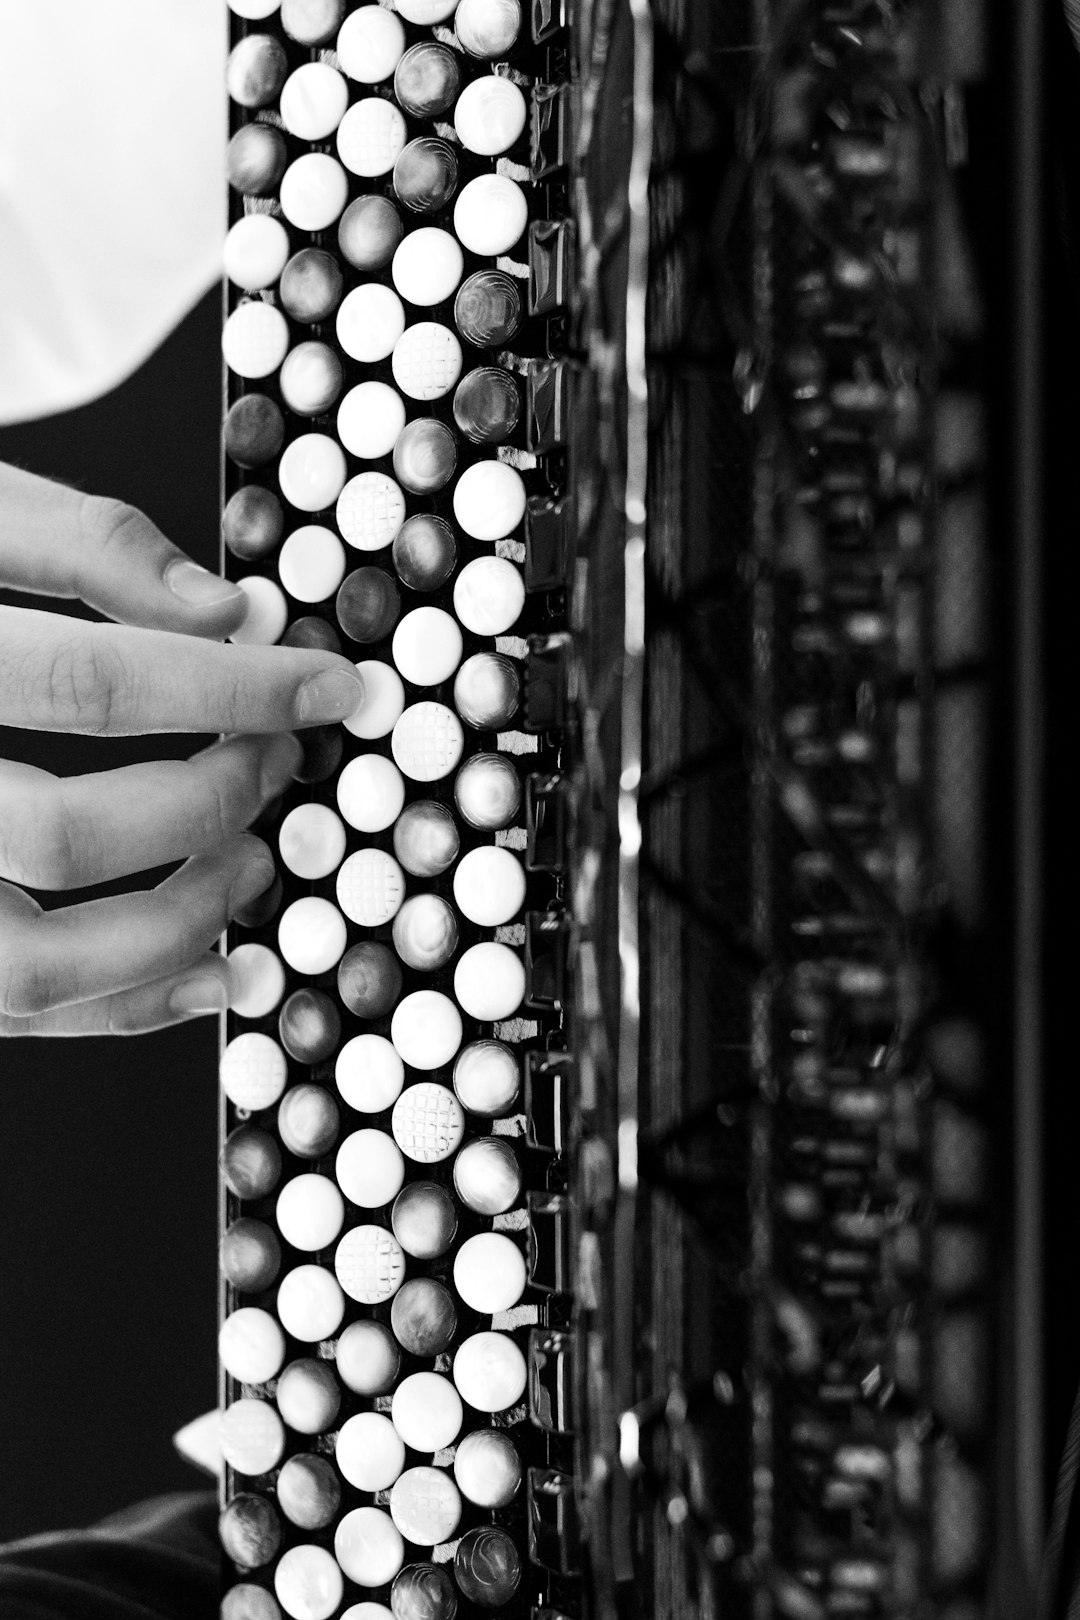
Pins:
<point x="254" y="880"/>
<point x="197" y="585"/>
<point x="200" y="994"/>
<point x="333" y="695"/>
<point x="281" y="761"/>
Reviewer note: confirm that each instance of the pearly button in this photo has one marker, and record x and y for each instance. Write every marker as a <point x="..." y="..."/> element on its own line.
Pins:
<point x="426" y="838"/>
<point x="489" y="500"/>
<point x="369" y="1451"/>
<point x="308" y="1583"/>
<point x="370" y="793"/>
<point x="384" y="700"/>
<point x="489" y="1371"/>
<point x="311" y="935"/>
<point x="489" y="885"/>
<point x="488" y="791"/>
<point x="310" y="1304"/>
<point x="489" y="595"/>
<point x="490" y="115"/>
<point x="313" y="101"/>
<point x="488" y="28"/>
<point x="426" y="1412"/>
<point x="370" y="44"/>
<point x="267" y="613"/>
<point x="486" y="1078"/>
<point x="251" y="1345"/>
<point x="312" y="841"/>
<point x="368" y="1546"/>
<point x="308" y="1397"/>
<point x="258" y="980"/>
<point x="311" y="378"/>
<point x="425" y="933"/>
<point x="368" y="1358"/>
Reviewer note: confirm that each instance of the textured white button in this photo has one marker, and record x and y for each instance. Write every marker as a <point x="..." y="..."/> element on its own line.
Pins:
<point x="490" y="215"/>
<point x="258" y="980"/>
<point x="427" y="266"/>
<point x="251" y="1345"/>
<point x="308" y="1583"/>
<point x="489" y="1272"/>
<point x="311" y="563"/>
<point x="311" y="935"/>
<point x="427" y="741"/>
<point x="370" y="44"/>
<point x="384" y="700"/>
<point x="369" y="1451"/>
<point x="255" y="340"/>
<point x="489" y="885"/>
<point x="313" y="101"/>
<point x="310" y="1304"/>
<point x="370" y="1264"/>
<point x="425" y="1504"/>
<point x="426" y="1029"/>
<point x="253" y="1071"/>
<point x="256" y="249"/>
<point x="314" y="190"/>
<point x="428" y="1121"/>
<point x="489" y="500"/>
<point x="490" y="115"/>
<point x="267" y="612"/>
<point x="486" y="1078"/>
<point x="368" y="1546"/>
<point x="427" y="646"/>
<point x="369" y="419"/>
<point x="369" y="1073"/>
<point x="426" y="360"/>
<point x="312" y="472"/>
<point x="370" y="137"/>
<point x="310" y="1212"/>
<point x="489" y="1371"/>
<point x="371" y="508"/>
<point x="252" y="1437"/>
<point x="370" y="321"/>
<point x="426" y="1412"/>
<point x="370" y="887"/>
<point x="370" y="793"/>
<point x="369" y="1168"/>
<point x="312" y="841"/>
<point x="489" y="981"/>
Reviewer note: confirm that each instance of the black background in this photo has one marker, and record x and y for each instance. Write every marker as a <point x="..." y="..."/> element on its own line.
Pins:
<point x="108" y="1187"/>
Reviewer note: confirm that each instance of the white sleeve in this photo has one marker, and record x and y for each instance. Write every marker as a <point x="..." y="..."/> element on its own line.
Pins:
<point x="112" y="188"/>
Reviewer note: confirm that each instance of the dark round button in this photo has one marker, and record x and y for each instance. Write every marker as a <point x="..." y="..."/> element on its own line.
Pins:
<point x="251" y="1162"/>
<point x="368" y="605"/>
<point x="369" y="979"/>
<point x="255" y="160"/>
<point x="312" y="633"/>
<point x="250" y="1255"/>
<point x="268" y="904"/>
<point x="427" y="80"/>
<point x="487" y="1567"/>
<point x="254" y="430"/>
<point x="423" y="1592"/>
<point x="487" y="405"/>
<point x="250" y="1530"/>
<point x="424" y="456"/>
<point x="310" y="1026"/>
<point x="252" y="523"/>
<point x="256" y="70"/>
<point x="425" y="552"/>
<point x="369" y="231"/>
<point x="311" y="285"/>
<point x="426" y="175"/>
<point x="423" y="1316"/>
<point x="323" y="747"/>
<point x="487" y="309"/>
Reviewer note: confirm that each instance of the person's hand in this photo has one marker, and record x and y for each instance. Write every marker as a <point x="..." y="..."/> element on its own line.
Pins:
<point x="140" y="960"/>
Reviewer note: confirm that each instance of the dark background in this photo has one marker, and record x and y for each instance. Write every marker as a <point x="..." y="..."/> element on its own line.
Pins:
<point x="108" y="1191"/>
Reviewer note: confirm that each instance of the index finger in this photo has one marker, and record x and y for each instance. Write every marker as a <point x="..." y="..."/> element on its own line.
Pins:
<point x="61" y="674"/>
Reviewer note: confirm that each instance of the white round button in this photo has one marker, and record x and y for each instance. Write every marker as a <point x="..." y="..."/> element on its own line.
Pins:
<point x="489" y="1371"/>
<point x="255" y="340"/>
<point x="308" y="1583"/>
<point x="371" y="507"/>
<point x="314" y="190"/>
<point x="486" y="1078"/>
<point x="253" y="1071"/>
<point x="370" y="137"/>
<point x="310" y="1212"/>
<point x="426" y="1412"/>
<point x="490" y="115"/>
<point x="384" y="700"/>
<point x="490" y="215"/>
<point x="313" y="101"/>
<point x="427" y="266"/>
<point x="369" y="1073"/>
<point x="368" y="1546"/>
<point x="370" y="887"/>
<point x="489" y="500"/>
<point x="311" y="935"/>
<point x="258" y="980"/>
<point x="488" y="28"/>
<point x="368" y="1358"/>
<point x="370" y="1169"/>
<point x="251" y="1345"/>
<point x="370" y="321"/>
<point x="489" y="595"/>
<point x="428" y="1122"/>
<point x="312" y="841"/>
<point x="427" y="741"/>
<point x="256" y="250"/>
<point x="312" y="472"/>
<point x="489" y="981"/>
<point x="311" y="563"/>
<point x="427" y="646"/>
<point x="370" y="1264"/>
<point x="369" y="419"/>
<point x="426" y="360"/>
<point x="254" y="10"/>
<point x="426" y="1029"/>
<point x="426" y="12"/>
<point x="311" y="378"/>
<point x="489" y="885"/>
<point x="489" y="1272"/>
<point x="310" y="1304"/>
<point x="369" y="1451"/>
<point x="370" y="793"/>
<point x="370" y="44"/>
<point x="267" y="612"/>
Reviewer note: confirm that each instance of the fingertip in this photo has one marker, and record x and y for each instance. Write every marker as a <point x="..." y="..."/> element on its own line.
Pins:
<point x="215" y="606"/>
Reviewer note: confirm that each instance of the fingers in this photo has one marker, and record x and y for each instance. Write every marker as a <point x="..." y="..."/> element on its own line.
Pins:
<point x="204" y="987"/>
<point x="61" y="674"/>
<point x="57" y="541"/>
<point x="79" y="953"/>
<point x="68" y="832"/>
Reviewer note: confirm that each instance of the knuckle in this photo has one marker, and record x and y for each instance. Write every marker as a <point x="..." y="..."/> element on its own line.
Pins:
<point x="110" y="524"/>
<point x="39" y="844"/>
<point x="86" y="681"/>
<point x="27" y="985"/>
